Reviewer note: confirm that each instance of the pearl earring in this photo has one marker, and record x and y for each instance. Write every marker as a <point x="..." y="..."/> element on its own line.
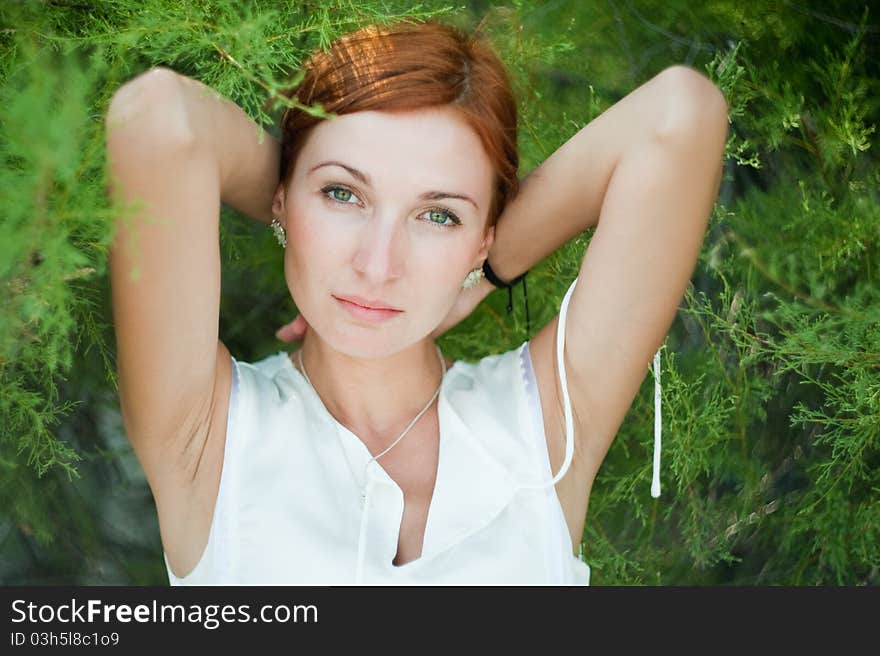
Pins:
<point x="278" y="229"/>
<point x="472" y="278"/>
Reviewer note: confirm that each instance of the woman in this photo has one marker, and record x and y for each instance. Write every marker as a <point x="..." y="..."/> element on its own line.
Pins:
<point x="270" y="472"/>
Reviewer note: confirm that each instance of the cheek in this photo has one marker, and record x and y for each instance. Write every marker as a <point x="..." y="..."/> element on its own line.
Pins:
<point x="304" y="248"/>
<point x="448" y="266"/>
<point x="313" y="237"/>
<point x="302" y="225"/>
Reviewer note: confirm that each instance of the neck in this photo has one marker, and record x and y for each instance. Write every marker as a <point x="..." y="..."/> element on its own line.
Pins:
<point x="375" y="398"/>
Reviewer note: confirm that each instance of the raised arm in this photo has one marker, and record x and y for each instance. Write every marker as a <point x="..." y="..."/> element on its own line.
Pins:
<point x="177" y="150"/>
<point x="563" y="196"/>
<point x="645" y="173"/>
<point x="248" y="157"/>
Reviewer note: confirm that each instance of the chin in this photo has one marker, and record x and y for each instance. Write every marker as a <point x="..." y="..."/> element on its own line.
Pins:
<point x="359" y="342"/>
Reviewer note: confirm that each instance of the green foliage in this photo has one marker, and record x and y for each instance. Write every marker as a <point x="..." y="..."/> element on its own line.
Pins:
<point x="771" y="371"/>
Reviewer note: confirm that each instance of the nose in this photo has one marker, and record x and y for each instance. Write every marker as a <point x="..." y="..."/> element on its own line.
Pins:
<point x="379" y="252"/>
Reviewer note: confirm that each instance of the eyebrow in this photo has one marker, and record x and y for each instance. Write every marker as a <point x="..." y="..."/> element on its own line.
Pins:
<point x="365" y="179"/>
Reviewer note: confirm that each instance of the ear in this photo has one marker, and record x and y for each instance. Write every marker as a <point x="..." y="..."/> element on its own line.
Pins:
<point x="486" y="245"/>
<point x="278" y="203"/>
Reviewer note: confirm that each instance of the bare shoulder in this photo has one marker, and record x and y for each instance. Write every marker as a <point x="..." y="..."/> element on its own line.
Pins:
<point x="186" y="493"/>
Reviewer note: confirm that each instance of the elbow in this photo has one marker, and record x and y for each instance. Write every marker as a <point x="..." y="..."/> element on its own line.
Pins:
<point x="151" y="101"/>
<point x="693" y="106"/>
<point x="131" y="94"/>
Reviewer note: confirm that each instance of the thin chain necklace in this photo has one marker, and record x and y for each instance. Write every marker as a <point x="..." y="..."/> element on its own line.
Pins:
<point x="302" y="367"/>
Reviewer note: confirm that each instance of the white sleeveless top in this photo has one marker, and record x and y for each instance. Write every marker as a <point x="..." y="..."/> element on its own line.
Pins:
<point x="289" y="509"/>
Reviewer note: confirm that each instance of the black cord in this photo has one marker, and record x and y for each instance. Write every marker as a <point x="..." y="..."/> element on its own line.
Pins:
<point x="495" y="280"/>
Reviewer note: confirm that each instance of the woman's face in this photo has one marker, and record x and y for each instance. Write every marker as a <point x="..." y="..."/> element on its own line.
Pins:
<point x="390" y="208"/>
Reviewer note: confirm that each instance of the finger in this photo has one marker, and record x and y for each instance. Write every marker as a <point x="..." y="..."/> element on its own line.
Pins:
<point x="299" y="328"/>
<point x="286" y="333"/>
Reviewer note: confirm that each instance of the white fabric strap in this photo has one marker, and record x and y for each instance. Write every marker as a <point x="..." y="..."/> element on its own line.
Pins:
<point x="566" y="402"/>
<point x="658" y="424"/>
<point x="560" y="358"/>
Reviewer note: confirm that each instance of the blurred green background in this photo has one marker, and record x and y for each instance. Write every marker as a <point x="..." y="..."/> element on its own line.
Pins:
<point x="771" y="371"/>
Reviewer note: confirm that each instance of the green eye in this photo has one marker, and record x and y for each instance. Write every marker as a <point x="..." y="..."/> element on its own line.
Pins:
<point x="442" y="218"/>
<point x="340" y="194"/>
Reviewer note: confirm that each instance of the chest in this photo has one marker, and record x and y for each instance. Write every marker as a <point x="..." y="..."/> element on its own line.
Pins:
<point x="412" y="464"/>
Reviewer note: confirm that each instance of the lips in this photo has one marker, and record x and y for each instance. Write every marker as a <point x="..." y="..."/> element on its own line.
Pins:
<point x="363" y="314"/>
<point x="370" y="304"/>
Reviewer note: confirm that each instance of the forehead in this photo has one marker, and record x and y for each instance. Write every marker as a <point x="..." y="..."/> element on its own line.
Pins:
<point x="433" y="146"/>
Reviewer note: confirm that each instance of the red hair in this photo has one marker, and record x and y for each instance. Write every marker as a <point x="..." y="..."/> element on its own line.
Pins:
<point x="407" y="66"/>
